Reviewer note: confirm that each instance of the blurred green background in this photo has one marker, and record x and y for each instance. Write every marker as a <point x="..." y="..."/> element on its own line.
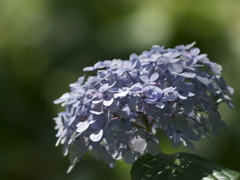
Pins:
<point x="44" y="44"/>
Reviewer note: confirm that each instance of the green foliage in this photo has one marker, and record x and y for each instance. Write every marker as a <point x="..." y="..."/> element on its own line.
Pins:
<point x="44" y="44"/>
<point x="179" y="166"/>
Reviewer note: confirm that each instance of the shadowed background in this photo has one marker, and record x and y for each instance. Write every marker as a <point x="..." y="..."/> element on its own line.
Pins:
<point x="44" y="44"/>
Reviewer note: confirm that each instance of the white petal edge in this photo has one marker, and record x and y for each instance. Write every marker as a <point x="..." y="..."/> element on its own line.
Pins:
<point x="82" y="126"/>
<point x="95" y="137"/>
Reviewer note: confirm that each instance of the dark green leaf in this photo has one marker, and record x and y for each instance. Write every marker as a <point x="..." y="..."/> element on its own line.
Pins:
<point x="179" y="166"/>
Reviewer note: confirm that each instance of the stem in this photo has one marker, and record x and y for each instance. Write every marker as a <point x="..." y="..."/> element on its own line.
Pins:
<point x="195" y="120"/>
<point x="138" y="126"/>
<point x="130" y="77"/>
<point x="145" y="122"/>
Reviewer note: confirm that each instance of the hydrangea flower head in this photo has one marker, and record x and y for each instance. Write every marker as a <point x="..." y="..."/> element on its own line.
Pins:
<point x="116" y="113"/>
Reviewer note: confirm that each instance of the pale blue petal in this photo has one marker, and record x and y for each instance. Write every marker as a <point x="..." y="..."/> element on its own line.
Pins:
<point x="203" y="80"/>
<point x="82" y="126"/>
<point x="160" y="105"/>
<point x="104" y="87"/>
<point x="128" y="125"/>
<point x="221" y="124"/>
<point x="190" y="94"/>
<point x="154" y="77"/>
<point x="121" y="94"/>
<point x="175" y="140"/>
<point x="108" y="102"/>
<point x="170" y="98"/>
<point x="133" y="56"/>
<point x="188" y="74"/>
<point x="216" y="68"/>
<point x="114" y="106"/>
<point x="188" y="144"/>
<point x="139" y="145"/>
<point x="182" y="97"/>
<point x="153" y="148"/>
<point x="126" y="64"/>
<point x="63" y="98"/>
<point x="97" y="101"/>
<point x="88" y="68"/>
<point x="96" y="112"/>
<point x="195" y="51"/>
<point x="145" y="78"/>
<point x="190" y="45"/>
<point x="96" y="136"/>
<point x="130" y="157"/>
<point x="174" y="60"/>
<point x="157" y="89"/>
<point x="168" y="89"/>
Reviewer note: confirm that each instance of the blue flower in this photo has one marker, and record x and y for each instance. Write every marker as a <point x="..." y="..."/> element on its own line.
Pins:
<point x="116" y="113"/>
<point x="184" y="89"/>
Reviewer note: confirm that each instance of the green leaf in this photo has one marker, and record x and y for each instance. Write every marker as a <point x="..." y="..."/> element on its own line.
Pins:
<point x="179" y="166"/>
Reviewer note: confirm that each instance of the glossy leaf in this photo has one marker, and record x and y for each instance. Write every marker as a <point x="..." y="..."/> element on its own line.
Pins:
<point x="179" y="166"/>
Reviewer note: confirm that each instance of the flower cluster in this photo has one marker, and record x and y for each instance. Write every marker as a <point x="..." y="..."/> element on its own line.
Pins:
<point x="115" y="114"/>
